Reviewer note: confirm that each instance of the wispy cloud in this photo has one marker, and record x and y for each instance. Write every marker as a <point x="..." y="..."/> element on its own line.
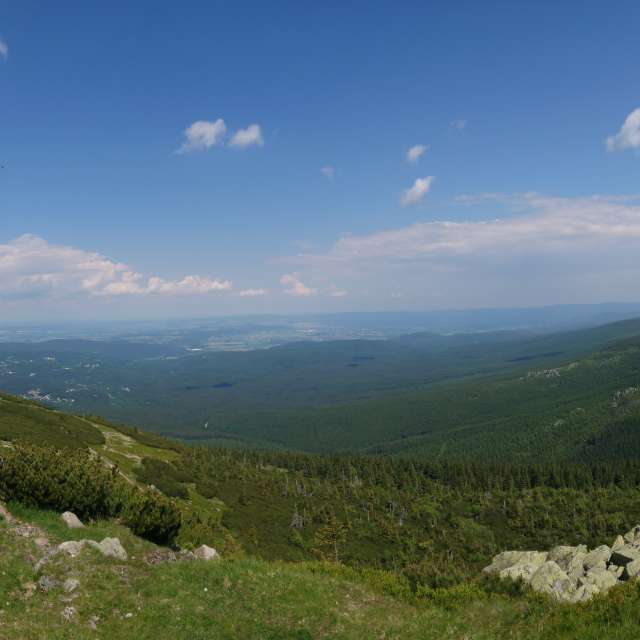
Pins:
<point x="252" y="293"/>
<point x="458" y="124"/>
<point x="629" y="135"/>
<point x="30" y="267"/>
<point x="417" y="191"/>
<point x="249" y="137"/>
<point x="4" y="49"/>
<point x="414" y="153"/>
<point x="295" y="286"/>
<point x="564" y="249"/>
<point x="203" y="135"/>
<point x="336" y="292"/>
<point x="328" y="171"/>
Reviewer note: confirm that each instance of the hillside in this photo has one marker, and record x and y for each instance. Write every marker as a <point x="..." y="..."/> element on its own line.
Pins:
<point x="313" y="546"/>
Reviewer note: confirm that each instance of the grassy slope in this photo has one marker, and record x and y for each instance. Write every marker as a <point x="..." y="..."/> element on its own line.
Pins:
<point x="252" y="599"/>
<point x="244" y="597"/>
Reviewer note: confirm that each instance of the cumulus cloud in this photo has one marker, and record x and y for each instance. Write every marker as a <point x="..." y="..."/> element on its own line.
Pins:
<point x="328" y="171"/>
<point x="629" y="135"/>
<point x="458" y="124"/>
<point x="203" y="135"/>
<point x="416" y="192"/>
<point x="415" y="152"/>
<point x="252" y="293"/>
<point x="4" y="49"/>
<point x="295" y="286"/>
<point x="249" y="137"/>
<point x="30" y="267"/>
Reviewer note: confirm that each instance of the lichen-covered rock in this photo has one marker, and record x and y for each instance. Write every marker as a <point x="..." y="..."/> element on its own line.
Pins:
<point x="618" y="543"/>
<point x="573" y="573"/>
<point x="508" y="559"/>
<point x="72" y="547"/>
<point x="584" y="593"/>
<point x="631" y="570"/>
<point x="551" y="579"/>
<point x="71" y="520"/>
<point x="597" y="556"/>
<point x="624" y="555"/>
<point x="110" y="547"/>
<point x="564" y="554"/>
<point x="633" y="535"/>
<point x="601" y="578"/>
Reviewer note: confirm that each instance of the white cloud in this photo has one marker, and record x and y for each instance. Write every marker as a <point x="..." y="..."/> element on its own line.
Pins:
<point x="296" y="287"/>
<point x="415" y="152"/>
<point x="4" y="49"/>
<point x="541" y="250"/>
<point x="30" y="267"/>
<point x="248" y="137"/>
<point x="629" y="135"/>
<point x="328" y="171"/>
<point x="203" y="135"/>
<point x="458" y="124"/>
<point x="547" y="224"/>
<point x="252" y="293"/>
<point x="335" y="292"/>
<point x="418" y="191"/>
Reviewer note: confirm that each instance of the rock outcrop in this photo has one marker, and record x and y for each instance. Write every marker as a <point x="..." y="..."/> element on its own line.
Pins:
<point x="573" y="574"/>
<point x="110" y="547"/>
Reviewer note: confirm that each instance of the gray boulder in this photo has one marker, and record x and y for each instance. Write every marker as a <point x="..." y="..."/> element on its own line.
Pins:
<point x="110" y="547"/>
<point x="508" y="559"/>
<point x="204" y="552"/>
<point x="551" y="579"/>
<point x="583" y="593"/>
<point x="600" y="578"/>
<point x="624" y="555"/>
<point x="72" y="521"/>
<point x="631" y="570"/>
<point x="633" y="535"/>
<point x="72" y="547"/>
<point x="597" y="557"/>
<point x="618" y="543"/>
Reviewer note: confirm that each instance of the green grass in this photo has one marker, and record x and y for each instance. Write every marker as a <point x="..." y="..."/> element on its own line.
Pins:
<point x="254" y="599"/>
<point x="29" y="422"/>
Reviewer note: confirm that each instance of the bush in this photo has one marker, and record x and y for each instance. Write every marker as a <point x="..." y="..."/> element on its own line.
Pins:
<point x="61" y="480"/>
<point x="151" y="515"/>
<point x="79" y="481"/>
<point x="165" y="477"/>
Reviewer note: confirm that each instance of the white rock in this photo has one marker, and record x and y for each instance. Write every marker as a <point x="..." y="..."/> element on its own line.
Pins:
<point x="597" y="556"/>
<point x="110" y="547"/>
<point x="206" y="553"/>
<point x="72" y="521"/>
<point x="72" y="547"/>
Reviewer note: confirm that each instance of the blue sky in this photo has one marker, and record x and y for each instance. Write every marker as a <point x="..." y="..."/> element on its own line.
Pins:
<point x="510" y="99"/>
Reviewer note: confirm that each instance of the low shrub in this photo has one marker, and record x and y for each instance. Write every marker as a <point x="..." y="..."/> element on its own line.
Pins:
<point x="151" y="515"/>
<point x="79" y="481"/>
<point x="165" y="477"/>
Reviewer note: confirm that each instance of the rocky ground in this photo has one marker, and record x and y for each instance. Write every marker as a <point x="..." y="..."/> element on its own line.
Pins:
<point x="573" y="574"/>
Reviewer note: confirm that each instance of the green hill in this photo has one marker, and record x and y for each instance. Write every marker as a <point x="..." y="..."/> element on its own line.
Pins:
<point x="424" y="393"/>
<point x="314" y="546"/>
